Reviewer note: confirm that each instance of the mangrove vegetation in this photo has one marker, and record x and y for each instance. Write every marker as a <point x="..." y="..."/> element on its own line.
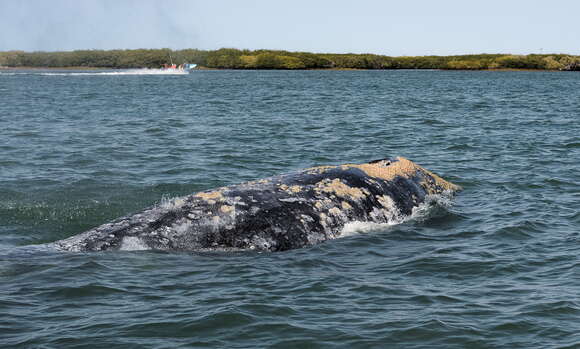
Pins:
<point x="229" y="58"/>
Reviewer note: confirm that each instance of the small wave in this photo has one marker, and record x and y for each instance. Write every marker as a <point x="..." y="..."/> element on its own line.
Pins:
<point x="433" y="206"/>
<point x="122" y="72"/>
<point x="92" y="290"/>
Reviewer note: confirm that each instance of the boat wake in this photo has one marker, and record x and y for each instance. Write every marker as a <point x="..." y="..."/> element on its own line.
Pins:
<point x="122" y="72"/>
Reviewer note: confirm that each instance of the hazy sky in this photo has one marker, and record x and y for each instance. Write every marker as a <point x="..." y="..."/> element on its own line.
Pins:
<point x="402" y="27"/>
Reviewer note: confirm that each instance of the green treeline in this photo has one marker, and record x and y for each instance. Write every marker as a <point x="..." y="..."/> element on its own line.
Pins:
<point x="228" y="58"/>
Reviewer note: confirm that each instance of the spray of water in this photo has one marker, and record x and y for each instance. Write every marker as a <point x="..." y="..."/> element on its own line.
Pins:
<point x="122" y="72"/>
<point x="423" y="212"/>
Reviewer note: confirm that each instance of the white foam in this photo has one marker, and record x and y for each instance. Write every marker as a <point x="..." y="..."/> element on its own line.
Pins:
<point x="357" y="227"/>
<point x="419" y="213"/>
<point x="123" y="72"/>
<point x="133" y="243"/>
<point x="425" y="210"/>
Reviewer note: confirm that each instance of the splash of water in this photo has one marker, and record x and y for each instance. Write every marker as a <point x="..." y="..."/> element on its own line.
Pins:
<point x="422" y="212"/>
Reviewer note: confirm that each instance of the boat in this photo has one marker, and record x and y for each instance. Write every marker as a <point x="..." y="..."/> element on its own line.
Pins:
<point x="185" y="67"/>
<point x="182" y="68"/>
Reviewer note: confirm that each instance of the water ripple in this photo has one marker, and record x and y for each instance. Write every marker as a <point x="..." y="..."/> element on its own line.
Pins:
<point x="498" y="268"/>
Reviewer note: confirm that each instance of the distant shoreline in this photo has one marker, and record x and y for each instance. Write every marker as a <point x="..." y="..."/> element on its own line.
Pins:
<point x="230" y="58"/>
<point x="313" y="69"/>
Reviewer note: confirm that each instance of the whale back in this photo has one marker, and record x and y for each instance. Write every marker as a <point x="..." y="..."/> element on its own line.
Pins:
<point x="278" y="213"/>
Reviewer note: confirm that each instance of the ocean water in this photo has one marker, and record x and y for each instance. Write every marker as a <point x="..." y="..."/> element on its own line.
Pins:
<point x="499" y="267"/>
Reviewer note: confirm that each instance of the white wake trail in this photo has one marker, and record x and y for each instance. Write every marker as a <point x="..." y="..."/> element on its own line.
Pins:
<point x="122" y="72"/>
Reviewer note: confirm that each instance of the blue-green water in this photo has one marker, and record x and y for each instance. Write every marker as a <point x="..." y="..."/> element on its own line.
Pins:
<point x="499" y="268"/>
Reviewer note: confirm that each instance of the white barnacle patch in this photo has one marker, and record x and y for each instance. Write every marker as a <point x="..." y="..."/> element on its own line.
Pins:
<point x="335" y="211"/>
<point x="334" y="217"/>
<point x="405" y="168"/>
<point x="292" y="200"/>
<point x="323" y="204"/>
<point x="182" y="227"/>
<point x="314" y="237"/>
<point x="305" y="218"/>
<point x="227" y="209"/>
<point x="211" y="197"/>
<point x="386" y="201"/>
<point x="338" y="188"/>
<point x="293" y="189"/>
<point x="323" y="220"/>
<point x="387" y="212"/>
<point x="133" y="243"/>
<point x="261" y="243"/>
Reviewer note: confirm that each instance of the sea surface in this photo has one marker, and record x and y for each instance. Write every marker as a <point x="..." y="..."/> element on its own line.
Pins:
<point x="499" y="267"/>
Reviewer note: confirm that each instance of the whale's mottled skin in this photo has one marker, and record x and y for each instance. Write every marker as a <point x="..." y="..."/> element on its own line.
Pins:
<point x="274" y="214"/>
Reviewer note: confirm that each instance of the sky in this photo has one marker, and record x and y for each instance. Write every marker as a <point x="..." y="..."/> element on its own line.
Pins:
<point x="395" y="28"/>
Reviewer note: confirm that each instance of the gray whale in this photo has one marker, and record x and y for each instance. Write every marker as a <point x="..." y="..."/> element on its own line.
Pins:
<point x="274" y="214"/>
